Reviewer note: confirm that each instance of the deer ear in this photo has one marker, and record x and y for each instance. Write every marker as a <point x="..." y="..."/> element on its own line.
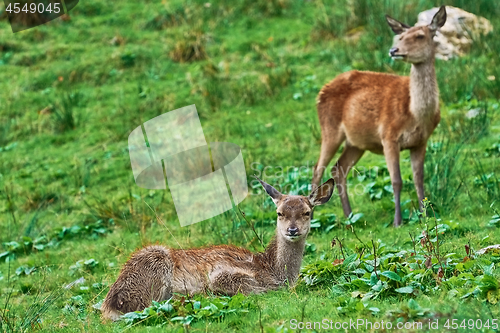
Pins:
<point x="438" y="20"/>
<point x="322" y="194"/>
<point x="273" y="193"/>
<point x="396" y="26"/>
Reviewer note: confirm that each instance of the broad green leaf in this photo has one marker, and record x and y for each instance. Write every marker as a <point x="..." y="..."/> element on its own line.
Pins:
<point x="378" y="286"/>
<point x="404" y="290"/>
<point x="316" y="225"/>
<point x="360" y="306"/>
<point x="167" y="307"/>
<point x="356" y="217"/>
<point x="413" y="305"/>
<point x="349" y="260"/>
<point x="391" y="275"/>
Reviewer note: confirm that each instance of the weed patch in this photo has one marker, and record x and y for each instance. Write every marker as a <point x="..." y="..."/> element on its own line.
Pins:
<point x="185" y="311"/>
<point x="189" y="47"/>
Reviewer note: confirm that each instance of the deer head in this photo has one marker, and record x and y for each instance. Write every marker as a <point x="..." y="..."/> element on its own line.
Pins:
<point x="295" y="211"/>
<point x="415" y="44"/>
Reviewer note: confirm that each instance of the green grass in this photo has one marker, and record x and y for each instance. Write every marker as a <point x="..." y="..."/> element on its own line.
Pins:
<point x="71" y="92"/>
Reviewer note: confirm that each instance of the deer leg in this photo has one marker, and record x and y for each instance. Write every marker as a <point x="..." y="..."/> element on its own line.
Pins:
<point x="391" y="152"/>
<point x="329" y="147"/>
<point x="349" y="157"/>
<point x="417" y="156"/>
<point x="230" y="283"/>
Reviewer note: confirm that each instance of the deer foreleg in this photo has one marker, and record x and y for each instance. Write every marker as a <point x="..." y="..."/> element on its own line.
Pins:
<point x="391" y="152"/>
<point x="417" y="156"/>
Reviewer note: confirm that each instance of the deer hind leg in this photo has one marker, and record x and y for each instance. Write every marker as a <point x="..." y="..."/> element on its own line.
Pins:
<point x="147" y="276"/>
<point x="417" y="156"/>
<point x="391" y="152"/>
<point x="231" y="283"/>
<point x="349" y="157"/>
<point x="329" y="146"/>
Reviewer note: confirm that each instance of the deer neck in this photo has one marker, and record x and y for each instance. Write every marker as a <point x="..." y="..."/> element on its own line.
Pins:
<point x="287" y="257"/>
<point x="424" y="92"/>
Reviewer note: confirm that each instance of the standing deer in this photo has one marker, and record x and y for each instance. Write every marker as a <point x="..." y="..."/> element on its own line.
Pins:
<point x="155" y="272"/>
<point x="383" y="113"/>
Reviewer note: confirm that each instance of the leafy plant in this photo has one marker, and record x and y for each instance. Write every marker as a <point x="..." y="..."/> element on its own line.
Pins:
<point x="83" y="265"/>
<point x="495" y="221"/>
<point x="306" y="86"/>
<point x="421" y="270"/>
<point x="494" y="150"/>
<point x="76" y="305"/>
<point x="128" y="59"/>
<point x="25" y="270"/>
<point x="410" y="311"/>
<point x="28" y="244"/>
<point x="185" y="311"/>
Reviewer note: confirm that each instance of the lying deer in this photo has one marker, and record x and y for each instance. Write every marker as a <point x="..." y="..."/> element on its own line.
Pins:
<point x="383" y="113"/>
<point x="156" y="272"/>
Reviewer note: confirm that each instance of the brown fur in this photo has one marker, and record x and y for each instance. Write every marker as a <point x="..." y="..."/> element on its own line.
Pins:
<point x="383" y="113"/>
<point x="156" y="272"/>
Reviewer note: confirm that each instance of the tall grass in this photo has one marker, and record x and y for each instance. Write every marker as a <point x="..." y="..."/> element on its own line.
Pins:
<point x="443" y="172"/>
<point x="65" y="116"/>
<point x="15" y="320"/>
<point x="171" y="16"/>
<point x="248" y="88"/>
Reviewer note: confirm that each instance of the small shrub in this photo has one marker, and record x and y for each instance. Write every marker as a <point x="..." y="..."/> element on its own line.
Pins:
<point x="331" y="21"/>
<point x="191" y="47"/>
<point x="40" y="199"/>
<point x="83" y="266"/>
<point x="266" y="7"/>
<point x="487" y="181"/>
<point x="91" y="8"/>
<point x="5" y="131"/>
<point x="305" y="87"/>
<point x="5" y="57"/>
<point x="64" y="114"/>
<point x="279" y="78"/>
<point x="494" y="150"/>
<point x="168" y="18"/>
<point x="212" y="88"/>
<point x="128" y="59"/>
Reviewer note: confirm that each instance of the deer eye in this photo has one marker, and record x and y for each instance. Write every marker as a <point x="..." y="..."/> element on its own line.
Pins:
<point x="420" y="36"/>
<point x="280" y="215"/>
<point x="307" y="213"/>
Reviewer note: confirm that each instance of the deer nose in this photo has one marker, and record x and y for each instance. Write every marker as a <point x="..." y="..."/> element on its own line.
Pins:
<point x="392" y="52"/>
<point x="293" y="231"/>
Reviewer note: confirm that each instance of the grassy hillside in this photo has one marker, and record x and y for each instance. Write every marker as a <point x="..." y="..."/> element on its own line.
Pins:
<point x="72" y="90"/>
